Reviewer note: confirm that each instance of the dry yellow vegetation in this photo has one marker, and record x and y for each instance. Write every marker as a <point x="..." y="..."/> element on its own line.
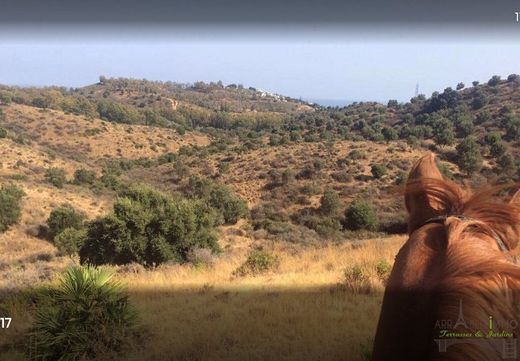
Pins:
<point x="298" y="311"/>
<point x="84" y="139"/>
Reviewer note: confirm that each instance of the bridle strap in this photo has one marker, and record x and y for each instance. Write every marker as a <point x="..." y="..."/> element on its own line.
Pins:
<point x="500" y="242"/>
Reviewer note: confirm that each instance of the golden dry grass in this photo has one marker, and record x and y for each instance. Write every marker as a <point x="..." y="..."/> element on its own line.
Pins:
<point x="298" y="311"/>
<point x="93" y="139"/>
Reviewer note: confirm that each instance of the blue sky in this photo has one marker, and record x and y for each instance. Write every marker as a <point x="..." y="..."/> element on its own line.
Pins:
<point x="346" y="64"/>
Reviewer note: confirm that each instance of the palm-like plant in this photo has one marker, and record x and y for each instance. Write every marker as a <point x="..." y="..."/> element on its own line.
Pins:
<point x="86" y="314"/>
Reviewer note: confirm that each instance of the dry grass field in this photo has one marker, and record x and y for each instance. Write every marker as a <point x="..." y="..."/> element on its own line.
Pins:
<point x="88" y="140"/>
<point x="302" y="310"/>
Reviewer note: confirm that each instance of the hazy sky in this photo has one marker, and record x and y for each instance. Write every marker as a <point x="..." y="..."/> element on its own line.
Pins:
<point x="348" y="64"/>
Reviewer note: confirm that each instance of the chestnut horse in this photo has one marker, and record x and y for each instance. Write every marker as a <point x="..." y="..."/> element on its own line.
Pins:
<point x="453" y="291"/>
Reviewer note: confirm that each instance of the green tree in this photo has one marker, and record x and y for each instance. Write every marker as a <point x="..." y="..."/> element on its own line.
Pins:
<point x="443" y="132"/>
<point x="41" y="102"/>
<point x="149" y="227"/>
<point x="229" y="204"/>
<point x="361" y="215"/>
<point x="70" y="240"/>
<point x="460" y="86"/>
<point x="390" y="134"/>
<point x="495" y="80"/>
<point x="329" y="203"/>
<point x="465" y="126"/>
<point x="10" y="205"/>
<point x="64" y="217"/>
<point x="469" y="158"/>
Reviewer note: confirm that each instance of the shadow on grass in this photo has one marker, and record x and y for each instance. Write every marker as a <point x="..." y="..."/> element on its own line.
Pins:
<point x="206" y="323"/>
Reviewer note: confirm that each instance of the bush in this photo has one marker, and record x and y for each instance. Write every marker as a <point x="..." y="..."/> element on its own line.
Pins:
<point x="361" y="215"/>
<point x="445" y="170"/>
<point x="507" y="163"/>
<point x="149" y="227"/>
<point x="70" y="240"/>
<point x="356" y="280"/>
<point x="55" y="176"/>
<point x="10" y="205"/>
<point x="229" y="204"/>
<point x="378" y="171"/>
<point x="201" y="257"/>
<point x="383" y="269"/>
<point x="495" y="80"/>
<point x="469" y="158"/>
<point x="356" y="155"/>
<point x="219" y="196"/>
<point x="84" y="316"/>
<point x="324" y="226"/>
<point x="443" y="133"/>
<point x="84" y="176"/>
<point x="3" y="133"/>
<point x="62" y="218"/>
<point x="256" y="263"/>
<point x="329" y="203"/>
<point x="401" y="178"/>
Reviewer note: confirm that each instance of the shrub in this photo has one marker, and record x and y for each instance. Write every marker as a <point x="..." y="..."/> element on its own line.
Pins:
<point x="55" y="176"/>
<point x="84" y="316"/>
<point x="110" y="180"/>
<point x="201" y="257"/>
<point x="390" y="134"/>
<point x="356" y="280"/>
<point x="62" y="218"/>
<point x="10" y="205"/>
<point x="401" y="178"/>
<point x="3" y="133"/>
<point x="256" y="263"/>
<point x="69" y="241"/>
<point x="507" y="163"/>
<point x="360" y="215"/>
<point x="229" y="204"/>
<point x="378" y="171"/>
<point x="288" y="177"/>
<point x="84" y="176"/>
<point x="219" y="196"/>
<point x="329" y="203"/>
<point x="149" y="227"/>
<point x="356" y="155"/>
<point x="324" y="226"/>
<point x="383" y="269"/>
<point x="469" y="158"/>
<point x="443" y="133"/>
<point x="495" y="80"/>
<point x="445" y="170"/>
<point x="513" y="78"/>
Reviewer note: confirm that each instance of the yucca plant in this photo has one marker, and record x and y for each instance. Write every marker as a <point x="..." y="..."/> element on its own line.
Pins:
<point x="86" y="314"/>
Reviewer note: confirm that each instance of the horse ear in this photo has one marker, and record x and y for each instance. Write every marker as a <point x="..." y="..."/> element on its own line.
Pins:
<point x="420" y="204"/>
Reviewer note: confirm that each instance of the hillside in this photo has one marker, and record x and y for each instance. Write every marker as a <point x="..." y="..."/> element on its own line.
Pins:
<point x="241" y="171"/>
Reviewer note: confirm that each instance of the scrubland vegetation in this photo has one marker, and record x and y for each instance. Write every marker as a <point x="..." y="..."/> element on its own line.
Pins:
<point x="212" y="222"/>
